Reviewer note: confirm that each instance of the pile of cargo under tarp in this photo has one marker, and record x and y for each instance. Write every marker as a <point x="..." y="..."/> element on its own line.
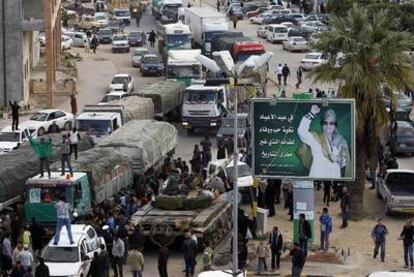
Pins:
<point x="166" y="96"/>
<point x="135" y="107"/>
<point x="146" y="142"/>
<point x="21" y="164"/>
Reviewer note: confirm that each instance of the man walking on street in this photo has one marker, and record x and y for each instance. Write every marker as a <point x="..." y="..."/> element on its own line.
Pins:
<point x="63" y="219"/>
<point x="136" y="262"/>
<point x="118" y="251"/>
<point x="407" y="236"/>
<point x="298" y="260"/>
<point x="234" y="19"/>
<point x="286" y="74"/>
<point x="378" y="235"/>
<point x="189" y="253"/>
<point x="279" y="74"/>
<point x="305" y="233"/>
<point x="94" y="44"/>
<point x="151" y="38"/>
<point x="43" y="149"/>
<point x="163" y="255"/>
<point x="206" y="145"/>
<point x="276" y="246"/>
<point x="326" y="228"/>
<point x="299" y="73"/>
<point x="345" y="207"/>
<point x="15" y="115"/>
<point x="65" y="155"/>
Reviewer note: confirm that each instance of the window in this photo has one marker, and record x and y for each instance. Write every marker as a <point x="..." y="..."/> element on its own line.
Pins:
<point x="59" y="114"/>
<point x="51" y="117"/>
<point x="61" y="255"/>
<point x="91" y="233"/>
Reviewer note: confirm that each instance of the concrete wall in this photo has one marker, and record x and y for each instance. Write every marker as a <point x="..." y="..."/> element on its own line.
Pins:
<point x="30" y="58"/>
<point x="13" y="65"/>
<point x="32" y="8"/>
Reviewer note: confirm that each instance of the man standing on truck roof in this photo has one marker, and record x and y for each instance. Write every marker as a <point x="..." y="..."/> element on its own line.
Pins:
<point x="65" y="155"/>
<point x="63" y="218"/>
<point x="43" y="149"/>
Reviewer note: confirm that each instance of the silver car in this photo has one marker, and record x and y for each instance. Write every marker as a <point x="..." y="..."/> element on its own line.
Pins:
<point x="137" y="56"/>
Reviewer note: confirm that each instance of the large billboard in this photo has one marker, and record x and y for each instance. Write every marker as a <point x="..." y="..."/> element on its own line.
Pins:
<point x="304" y="139"/>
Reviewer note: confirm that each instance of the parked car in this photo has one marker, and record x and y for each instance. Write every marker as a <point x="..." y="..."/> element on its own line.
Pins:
<point x="404" y="103"/>
<point x="102" y="19"/>
<point x="66" y="43"/>
<point x="136" y="38"/>
<point x="289" y="25"/>
<point x="114" y="26"/>
<point x="260" y="18"/>
<point x="66" y="259"/>
<point x="404" y="139"/>
<point x="113" y="96"/>
<point x="262" y="31"/>
<point x="39" y="123"/>
<point x="257" y="11"/>
<point x="312" y="60"/>
<point x="137" y="56"/>
<point x="226" y="130"/>
<point x="277" y="19"/>
<point x="78" y="38"/>
<point x="120" y="43"/>
<point x="296" y="44"/>
<point x="299" y="32"/>
<point x="11" y="140"/>
<point x="105" y="35"/>
<point x="277" y="33"/>
<point x="397" y="191"/>
<point x="324" y="18"/>
<point x="122" y="82"/>
<point x="314" y="26"/>
<point x="298" y="16"/>
<point x="249" y="7"/>
<point x="151" y="64"/>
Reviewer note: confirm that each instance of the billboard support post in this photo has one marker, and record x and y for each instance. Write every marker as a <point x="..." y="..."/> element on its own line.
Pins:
<point x="303" y="202"/>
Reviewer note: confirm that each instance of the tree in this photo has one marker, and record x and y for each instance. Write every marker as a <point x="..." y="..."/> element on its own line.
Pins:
<point x="372" y="56"/>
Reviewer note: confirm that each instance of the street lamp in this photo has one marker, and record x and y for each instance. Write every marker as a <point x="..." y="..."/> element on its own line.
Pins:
<point x="252" y="64"/>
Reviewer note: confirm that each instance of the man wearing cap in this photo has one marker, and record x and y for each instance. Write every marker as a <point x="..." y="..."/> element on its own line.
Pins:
<point x="325" y="154"/>
<point x="25" y="257"/>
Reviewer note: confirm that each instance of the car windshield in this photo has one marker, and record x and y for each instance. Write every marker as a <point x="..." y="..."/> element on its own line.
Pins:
<point x="312" y="56"/>
<point x="61" y="255"/>
<point x="105" y="32"/>
<point x="9" y="136"/>
<point x="189" y="71"/>
<point x="405" y="131"/>
<point x="120" y="80"/>
<point x="229" y="122"/>
<point x="122" y="13"/>
<point x="39" y="117"/>
<point x="95" y="126"/>
<point x="151" y="60"/>
<point x="199" y="97"/>
<point x="117" y="38"/>
<point x="108" y="98"/>
<point x="135" y="34"/>
<point x="244" y="170"/>
<point x="100" y="17"/>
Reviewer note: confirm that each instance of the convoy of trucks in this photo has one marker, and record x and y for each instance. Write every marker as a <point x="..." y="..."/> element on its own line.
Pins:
<point x="204" y="23"/>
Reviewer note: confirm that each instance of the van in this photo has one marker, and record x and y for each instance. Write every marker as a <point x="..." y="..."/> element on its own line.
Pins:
<point x="277" y="33"/>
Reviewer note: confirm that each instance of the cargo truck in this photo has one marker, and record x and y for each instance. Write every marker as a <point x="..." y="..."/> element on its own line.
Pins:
<point x="183" y="67"/>
<point x="204" y="23"/>
<point x="173" y="37"/>
<point x="240" y="47"/>
<point x="166" y="11"/>
<point x="120" y="10"/>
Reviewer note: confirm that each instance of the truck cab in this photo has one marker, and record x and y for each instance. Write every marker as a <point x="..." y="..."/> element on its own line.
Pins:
<point x="244" y="49"/>
<point x="203" y="106"/>
<point x="41" y="195"/>
<point x="183" y="66"/>
<point x="177" y="36"/>
<point x="211" y="29"/>
<point x="98" y="124"/>
<point x="122" y="14"/>
<point x="169" y="11"/>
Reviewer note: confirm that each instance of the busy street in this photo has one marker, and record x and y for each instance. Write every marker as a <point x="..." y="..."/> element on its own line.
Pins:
<point x="127" y="166"/>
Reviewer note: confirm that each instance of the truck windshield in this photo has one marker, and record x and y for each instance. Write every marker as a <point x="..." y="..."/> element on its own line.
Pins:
<point x="9" y="136"/>
<point x="199" y="97"/>
<point x="178" y="40"/>
<point x="208" y="35"/>
<point x="94" y="126"/>
<point x="61" y="255"/>
<point x="122" y="13"/>
<point x="184" y="71"/>
<point x="47" y="194"/>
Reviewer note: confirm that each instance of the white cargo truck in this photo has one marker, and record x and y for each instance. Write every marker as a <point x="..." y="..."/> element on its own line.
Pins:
<point x="204" y="23"/>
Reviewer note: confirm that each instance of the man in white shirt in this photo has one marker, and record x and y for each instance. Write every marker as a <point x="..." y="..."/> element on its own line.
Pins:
<point x="74" y="140"/>
<point x="279" y="73"/>
<point x="25" y="257"/>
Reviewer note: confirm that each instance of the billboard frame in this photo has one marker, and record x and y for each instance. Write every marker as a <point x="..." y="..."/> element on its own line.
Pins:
<point x="324" y="102"/>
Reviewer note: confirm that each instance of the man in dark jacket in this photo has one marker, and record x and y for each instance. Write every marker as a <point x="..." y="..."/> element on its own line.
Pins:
<point x="276" y="246"/>
<point x="285" y="73"/>
<point x="345" y="207"/>
<point x="379" y="234"/>
<point x="206" y="146"/>
<point x="298" y="260"/>
<point x="270" y="197"/>
<point x="163" y="255"/>
<point x="104" y="261"/>
<point x="37" y="232"/>
<point x="15" y="115"/>
<point x="407" y="236"/>
<point x="42" y="270"/>
<point x="305" y="233"/>
<point x="95" y="270"/>
<point x="189" y="253"/>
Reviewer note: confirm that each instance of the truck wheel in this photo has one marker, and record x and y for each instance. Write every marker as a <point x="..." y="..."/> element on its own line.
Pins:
<point x="190" y="131"/>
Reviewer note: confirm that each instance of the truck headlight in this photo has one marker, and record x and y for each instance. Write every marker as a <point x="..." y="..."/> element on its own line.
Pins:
<point x="185" y="123"/>
<point x="219" y="135"/>
<point x="213" y="124"/>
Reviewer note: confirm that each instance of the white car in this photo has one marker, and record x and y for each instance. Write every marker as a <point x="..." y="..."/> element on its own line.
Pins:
<point x="277" y="33"/>
<point x="122" y="82"/>
<point x="78" y="38"/>
<point x="289" y="25"/>
<point x="120" y="43"/>
<point x="312" y="60"/>
<point x="222" y="169"/>
<point x="65" y="259"/>
<point x="314" y="26"/>
<point x="102" y="19"/>
<point x="262" y="31"/>
<point x="11" y="140"/>
<point x="66" y="43"/>
<point x="40" y="122"/>
<point x="113" y="96"/>
<point x="296" y="44"/>
<point x="137" y="56"/>
<point x="259" y="19"/>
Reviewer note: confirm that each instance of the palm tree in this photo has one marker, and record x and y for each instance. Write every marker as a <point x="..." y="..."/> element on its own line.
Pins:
<point x="373" y="56"/>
